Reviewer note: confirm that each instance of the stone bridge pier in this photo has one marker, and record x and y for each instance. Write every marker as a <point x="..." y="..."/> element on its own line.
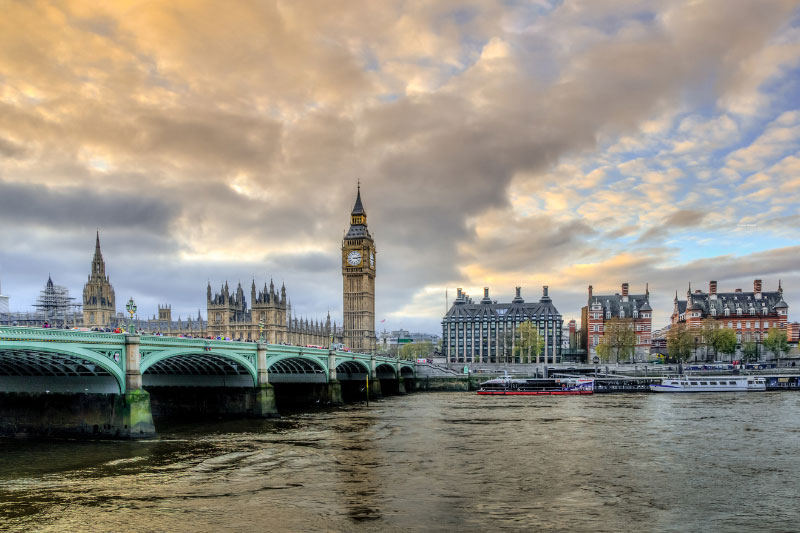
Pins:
<point x="71" y="383"/>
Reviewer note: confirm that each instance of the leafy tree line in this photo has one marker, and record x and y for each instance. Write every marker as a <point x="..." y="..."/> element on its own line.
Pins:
<point x="714" y="338"/>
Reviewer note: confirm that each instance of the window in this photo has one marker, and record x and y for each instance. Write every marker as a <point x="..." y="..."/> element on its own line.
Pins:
<point x="727" y="312"/>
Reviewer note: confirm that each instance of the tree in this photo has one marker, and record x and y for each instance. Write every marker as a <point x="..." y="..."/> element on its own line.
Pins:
<point x="749" y="351"/>
<point x="725" y="341"/>
<point x="776" y="342"/>
<point x="710" y="330"/>
<point x="603" y="351"/>
<point x="619" y="335"/>
<point x="416" y="350"/>
<point x="529" y="343"/>
<point x="679" y="342"/>
<point x="507" y="342"/>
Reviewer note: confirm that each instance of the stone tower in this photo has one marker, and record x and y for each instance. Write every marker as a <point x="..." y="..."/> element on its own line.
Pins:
<point x="99" y="305"/>
<point x="358" y="273"/>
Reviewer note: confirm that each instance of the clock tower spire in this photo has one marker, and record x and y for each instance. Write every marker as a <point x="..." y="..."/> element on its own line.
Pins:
<point x="358" y="283"/>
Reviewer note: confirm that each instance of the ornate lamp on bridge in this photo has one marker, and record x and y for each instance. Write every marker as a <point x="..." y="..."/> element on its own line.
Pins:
<point x="261" y="331"/>
<point x="131" y="307"/>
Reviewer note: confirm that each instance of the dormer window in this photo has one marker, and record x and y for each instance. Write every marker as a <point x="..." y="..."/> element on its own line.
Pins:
<point x="608" y="314"/>
<point x="635" y="313"/>
<point x="738" y="310"/>
<point x="752" y="311"/>
<point x="764" y="310"/>
<point x="727" y="312"/>
<point x="713" y="311"/>
<point x="622" y="313"/>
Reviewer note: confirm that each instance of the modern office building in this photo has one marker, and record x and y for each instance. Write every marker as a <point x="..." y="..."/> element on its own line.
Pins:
<point x="489" y="332"/>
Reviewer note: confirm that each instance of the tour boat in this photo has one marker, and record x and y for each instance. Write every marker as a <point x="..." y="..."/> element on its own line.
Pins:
<point x="506" y="386"/>
<point x="710" y="384"/>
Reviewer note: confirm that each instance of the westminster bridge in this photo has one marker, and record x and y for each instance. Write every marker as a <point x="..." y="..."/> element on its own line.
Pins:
<point x="69" y="382"/>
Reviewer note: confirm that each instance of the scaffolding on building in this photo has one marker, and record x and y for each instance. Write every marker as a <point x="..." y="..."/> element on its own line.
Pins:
<point x="55" y="306"/>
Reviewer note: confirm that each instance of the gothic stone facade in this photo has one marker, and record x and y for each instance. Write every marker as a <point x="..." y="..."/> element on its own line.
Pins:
<point x="486" y="331"/>
<point x="99" y="305"/>
<point x="358" y="282"/>
<point x="750" y="314"/>
<point x="230" y="317"/>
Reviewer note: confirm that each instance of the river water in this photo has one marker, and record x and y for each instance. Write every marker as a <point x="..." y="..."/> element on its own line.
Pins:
<point x="432" y="461"/>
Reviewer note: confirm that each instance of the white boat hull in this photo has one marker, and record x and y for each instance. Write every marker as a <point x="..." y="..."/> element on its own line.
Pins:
<point x="710" y="384"/>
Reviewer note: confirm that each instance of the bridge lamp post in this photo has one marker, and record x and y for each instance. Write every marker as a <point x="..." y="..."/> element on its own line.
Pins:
<point x="261" y="330"/>
<point x="131" y="307"/>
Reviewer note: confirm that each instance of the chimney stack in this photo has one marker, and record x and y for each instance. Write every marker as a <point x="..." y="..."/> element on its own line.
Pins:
<point x="712" y="287"/>
<point x="738" y="290"/>
<point x="544" y="290"/>
<point x="757" y="288"/>
<point x="624" y="292"/>
<point x="518" y="292"/>
<point x="486" y="292"/>
<point x="458" y="290"/>
<point x="590" y="292"/>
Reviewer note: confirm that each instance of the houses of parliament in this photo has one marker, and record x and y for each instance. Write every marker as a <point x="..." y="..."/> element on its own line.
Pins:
<point x="269" y="314"/>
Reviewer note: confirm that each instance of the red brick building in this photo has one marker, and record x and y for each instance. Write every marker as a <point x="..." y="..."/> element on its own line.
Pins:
<point x="793" y="332"/>
<point x="750" y="314"/>
<point x="603" y="307"/>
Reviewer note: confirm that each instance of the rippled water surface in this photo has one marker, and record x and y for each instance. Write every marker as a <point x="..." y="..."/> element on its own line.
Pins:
<point x="435" y="461"/>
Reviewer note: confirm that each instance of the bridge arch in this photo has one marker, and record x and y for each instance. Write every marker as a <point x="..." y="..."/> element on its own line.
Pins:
<point x="386" y="371"/>
<point x="351" y="369"/>
<point x="297" y="369"/>
<point x="50" y="364"/>
<point x="407" y="372"/>
<point x="194" y="367"/>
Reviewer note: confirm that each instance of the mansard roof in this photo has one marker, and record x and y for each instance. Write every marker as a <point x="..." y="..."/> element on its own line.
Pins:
<point x="702" y="301"/>
<point x="463" y="308"/>
<point x="615" y="302"/>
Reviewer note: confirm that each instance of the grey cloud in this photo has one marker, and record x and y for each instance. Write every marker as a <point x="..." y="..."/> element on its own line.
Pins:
<point x="79" y="208"/>
<point x="685" y="218"/>
<point x="11" y="149"/>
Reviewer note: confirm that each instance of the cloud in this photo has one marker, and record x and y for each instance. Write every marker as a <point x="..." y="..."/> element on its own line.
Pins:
<point x="491" y="141"/>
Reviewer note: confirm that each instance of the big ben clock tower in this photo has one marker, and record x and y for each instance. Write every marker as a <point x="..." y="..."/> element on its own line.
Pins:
<point x="358" y="273"/>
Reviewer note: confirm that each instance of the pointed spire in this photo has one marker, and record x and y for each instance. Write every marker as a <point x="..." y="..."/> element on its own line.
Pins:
<point x="358" y="208"/>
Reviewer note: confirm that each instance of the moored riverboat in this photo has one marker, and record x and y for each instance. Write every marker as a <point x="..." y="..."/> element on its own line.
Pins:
<point x="710" y="384"/>
<point x="536" y="387"/>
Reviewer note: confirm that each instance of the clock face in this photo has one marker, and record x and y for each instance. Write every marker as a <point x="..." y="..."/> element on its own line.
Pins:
<point x="354" y="258"/>
<point x="372" y="260"/>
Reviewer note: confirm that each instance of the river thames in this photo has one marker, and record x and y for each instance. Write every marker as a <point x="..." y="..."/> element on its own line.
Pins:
<point x="431" y="461"/>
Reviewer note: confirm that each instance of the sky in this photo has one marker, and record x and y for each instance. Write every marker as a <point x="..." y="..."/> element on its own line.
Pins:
<point x="499" y="144"/>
